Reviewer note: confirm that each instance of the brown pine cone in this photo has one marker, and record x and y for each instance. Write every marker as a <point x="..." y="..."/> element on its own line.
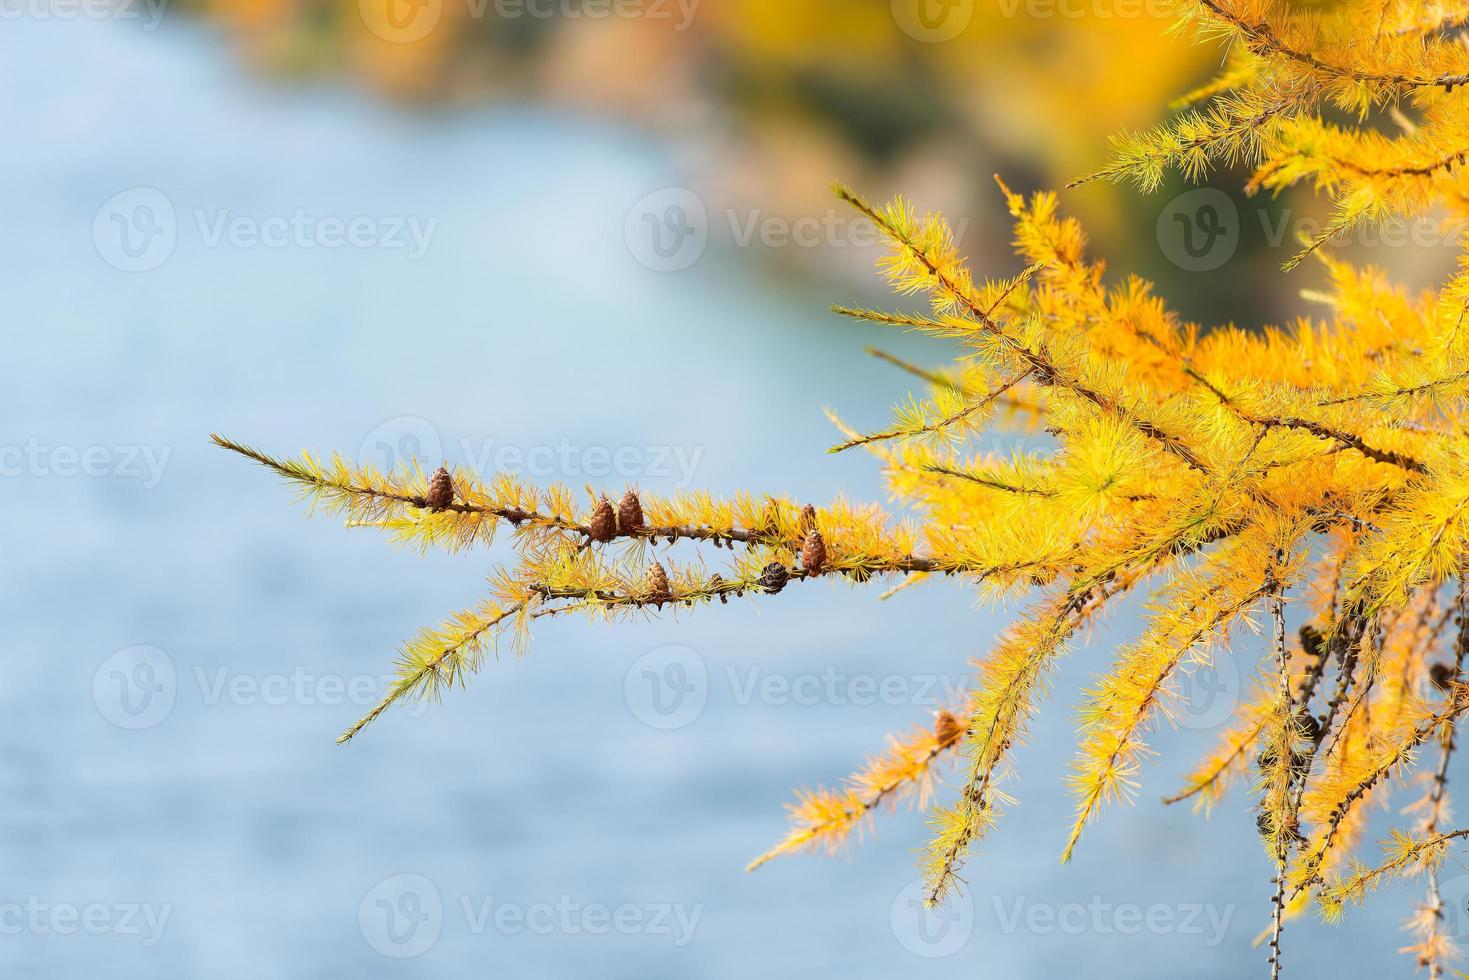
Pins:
<point x="603" y="526"/>
<point x="716" y="586"/>
<point x="630" y="513"/>
<point x="808" y="518"/>
<point x="1309" y="725"/>
<point x="440" y="490"/>
<point x="947" y="729"/>
<point x="1442" y="676"/>
<point x="774" y="577"/>
<point x="658" y="592"/>
<point x="813" y="553"/>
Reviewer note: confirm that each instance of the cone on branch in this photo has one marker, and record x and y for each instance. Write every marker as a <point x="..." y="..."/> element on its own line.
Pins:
<point x="658" y="591"/>
<point x="808" y="519"/>
<point x="774" y="577"/>
<point x="630" y="513"/>
<point x="813" y="553"/>
<point x="947" y="729"/>
<point x="1312" y="642"/>
<point x="603" y="526"/>
<point x="440" y="490"/>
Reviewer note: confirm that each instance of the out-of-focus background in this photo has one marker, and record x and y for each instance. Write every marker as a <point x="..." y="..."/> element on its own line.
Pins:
<point x="593" y="247"/>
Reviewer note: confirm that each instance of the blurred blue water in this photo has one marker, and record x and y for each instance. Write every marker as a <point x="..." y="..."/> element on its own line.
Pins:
<point x="527" y="323"/>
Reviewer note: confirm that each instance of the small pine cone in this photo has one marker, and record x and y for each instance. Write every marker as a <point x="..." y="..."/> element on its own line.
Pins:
<point x="1442" y="676"/>
<point x="808" y="518"/>
<point x="1309" y="726"/>
<point x="1292" y="829"/>
<point x="813" y="553"/>
<point x="440" y="490"/>
<point x="716" y="586"/>
<point x="1311" y="641"/>
<point x="604" y="522"/>
<point x="1262" y="822"/>
<point x="774" y="577"/>
<point x="947" y="729"/>
<point x="630" y="513"/>
<point x="658" y="592"/>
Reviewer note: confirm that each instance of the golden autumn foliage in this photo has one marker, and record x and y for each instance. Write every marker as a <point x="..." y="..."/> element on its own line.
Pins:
<point x="1309" y="482"/>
